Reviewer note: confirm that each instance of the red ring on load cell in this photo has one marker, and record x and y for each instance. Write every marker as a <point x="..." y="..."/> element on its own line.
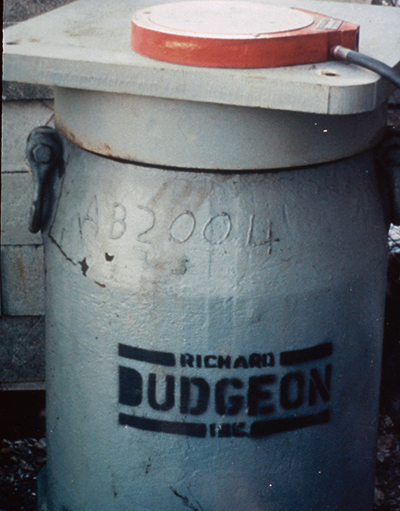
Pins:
<point x="230" y="34"/>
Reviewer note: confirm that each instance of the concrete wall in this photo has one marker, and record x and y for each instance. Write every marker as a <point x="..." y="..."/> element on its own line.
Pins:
<point x="24" y="106"/>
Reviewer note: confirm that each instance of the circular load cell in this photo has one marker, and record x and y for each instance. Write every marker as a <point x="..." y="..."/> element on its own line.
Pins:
<point x="237" y="34"/>
<point x="223" y="19"/>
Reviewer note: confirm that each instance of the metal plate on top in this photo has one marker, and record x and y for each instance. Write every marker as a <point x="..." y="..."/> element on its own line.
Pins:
<point x="85" y="45"/>
<point x="221" y="19"/>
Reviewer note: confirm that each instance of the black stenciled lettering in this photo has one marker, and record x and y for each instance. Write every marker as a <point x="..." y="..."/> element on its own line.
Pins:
<point x="151" y="357"/>
<point x="208" y="361"/>
<point x="240" y="362"/>
<point x="323" y="387"/>
<point x="130" y="386"/>
<point x="224" y="430"/>
<point x="187" y="360"/>
<point x="238" y="429"/>
<point x="224" y="362"/>
<point x="257" y="393"/>
<point x="292" y="390"/>
<point x="262" y="429"/>
<point x="199" y="404"/>
<point x="235" y="402"/>
<point x="255" y="360"/>
<point x="268" y="360"/>
<point x="198" y="361"/>
<point x="175" y="428"/>
<point x="169" y="393"/>
<point x="302" y="356"/>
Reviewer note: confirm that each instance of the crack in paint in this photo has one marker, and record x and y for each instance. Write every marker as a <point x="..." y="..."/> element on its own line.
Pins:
<point x="61" y="250"/>
<point x="186" y="501"/>
<point x="83" y="263"/>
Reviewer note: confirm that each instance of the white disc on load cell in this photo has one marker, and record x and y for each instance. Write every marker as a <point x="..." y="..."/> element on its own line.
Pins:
<point x="236" y="34"/>
<point x="221" y="19"/>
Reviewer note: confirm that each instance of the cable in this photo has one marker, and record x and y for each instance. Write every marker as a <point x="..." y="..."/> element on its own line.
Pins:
<point x="341" y="53"/>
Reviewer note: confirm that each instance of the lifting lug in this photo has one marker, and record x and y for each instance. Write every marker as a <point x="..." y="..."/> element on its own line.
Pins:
<point x="44" y="154"/>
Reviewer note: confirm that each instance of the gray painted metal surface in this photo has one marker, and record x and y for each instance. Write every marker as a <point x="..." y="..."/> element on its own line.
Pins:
<point x="83" y="46"/>
<point x="208" y="135"/>
<point x="214" y="339"/>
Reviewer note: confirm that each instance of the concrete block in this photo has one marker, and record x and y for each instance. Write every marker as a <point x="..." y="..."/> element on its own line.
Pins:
<point x="12" y="91"/>
<point x="22" y="280"/>
<point x="22" y="357"/>
<point x="20" y="10"/>
<point x="18" y="120"/>
<point x="16" y="200"/>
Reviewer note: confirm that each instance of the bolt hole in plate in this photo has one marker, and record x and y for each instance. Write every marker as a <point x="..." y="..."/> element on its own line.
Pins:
<point x="237" y="34"/>
<point x="328" y="72"/>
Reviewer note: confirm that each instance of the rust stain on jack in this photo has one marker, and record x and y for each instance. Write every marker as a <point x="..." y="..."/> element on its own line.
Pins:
<point x="81" y="140"/>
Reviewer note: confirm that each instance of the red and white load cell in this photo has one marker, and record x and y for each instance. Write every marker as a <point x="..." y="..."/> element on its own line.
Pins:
<point x="237" y="34"/>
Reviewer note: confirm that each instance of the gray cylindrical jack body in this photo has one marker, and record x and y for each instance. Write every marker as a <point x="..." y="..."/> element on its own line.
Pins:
<point x="214" y="339"/>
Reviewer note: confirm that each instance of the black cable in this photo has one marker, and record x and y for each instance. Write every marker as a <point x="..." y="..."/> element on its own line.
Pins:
<point x="341" y="53"/>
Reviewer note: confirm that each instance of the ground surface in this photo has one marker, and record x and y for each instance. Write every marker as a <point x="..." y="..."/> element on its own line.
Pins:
<point x="23" y="454"/>
<point x="387" y="489"/>
<point x="22" y="448"/>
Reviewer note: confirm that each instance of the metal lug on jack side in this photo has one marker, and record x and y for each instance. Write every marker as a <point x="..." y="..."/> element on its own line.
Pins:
<point x="44" y="151"/>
